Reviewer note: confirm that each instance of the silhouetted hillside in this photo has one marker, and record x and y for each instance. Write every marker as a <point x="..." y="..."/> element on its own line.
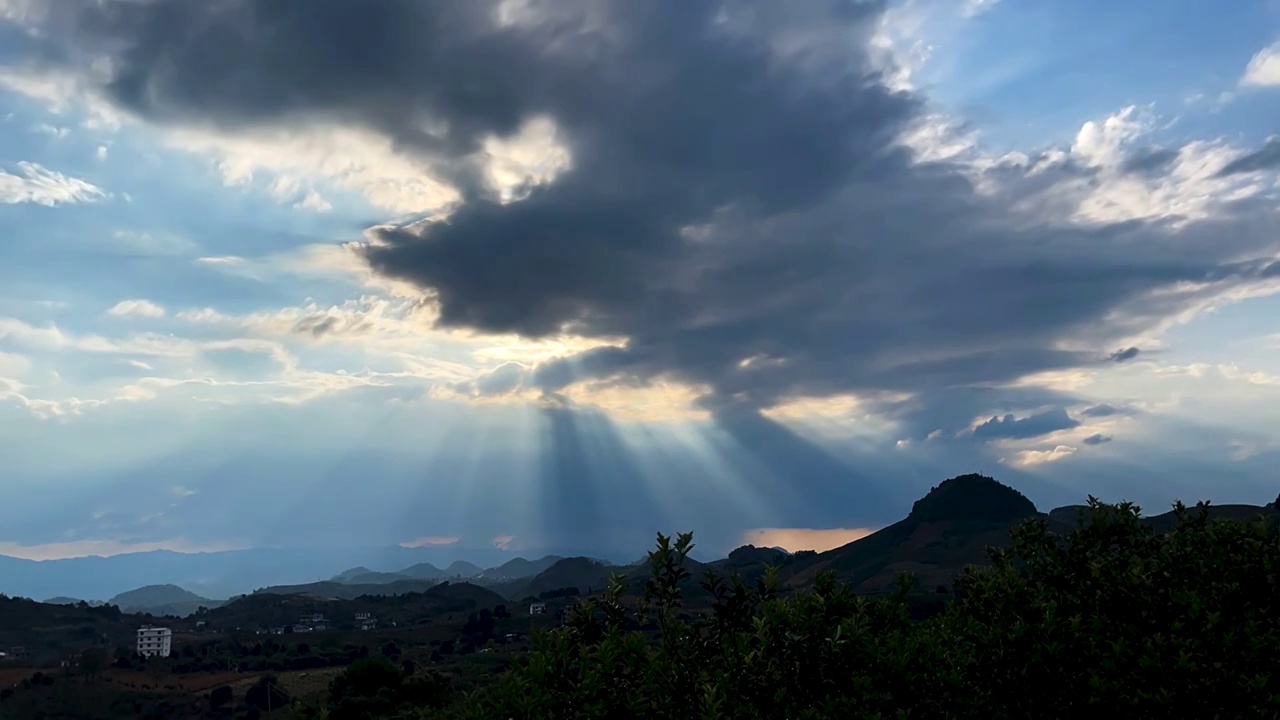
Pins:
<point x="577" y="572"/>
<point x="145" y="598"/>
<point x="273" y="609"/>
<point x="63" y="600"/>
<point x="46" y="630"/>
<point x="519" y="568"/>
<point x="346" y="591"/>
<point x="950" y="527"/>
<point x="423" y="571"/>
<point x="462" y="569"/>
<point x="972" y="499"/>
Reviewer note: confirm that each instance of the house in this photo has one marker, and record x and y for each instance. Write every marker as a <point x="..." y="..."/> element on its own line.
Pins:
<point x="367" y="623"/>
<point x="312" y="622"/>
<point x="154" y="641"/>
<point x="537" y="608"/>
<point x="363" y="616"/>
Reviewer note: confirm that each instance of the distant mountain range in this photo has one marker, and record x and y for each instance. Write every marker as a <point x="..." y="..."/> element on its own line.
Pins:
<point x="948" y="529"/>
<point x="236" y="572"/>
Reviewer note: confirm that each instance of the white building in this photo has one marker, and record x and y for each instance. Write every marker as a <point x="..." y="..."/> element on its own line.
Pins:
<point x="154" y="641"/>
<point x="537" y="608"/>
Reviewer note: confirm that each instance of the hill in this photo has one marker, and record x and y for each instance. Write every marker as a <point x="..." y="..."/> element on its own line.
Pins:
<point x="161" y="600"/>
<point x="329" y="590"/>
<point x="462" y="569"/>
<point x="412" y="607"/>
<point x="48" y="630"/>
<point x="949" y="528"/>
<point x="582" y="573"/>
<point x="420" y="571"/>
<point x="519" y="568"/>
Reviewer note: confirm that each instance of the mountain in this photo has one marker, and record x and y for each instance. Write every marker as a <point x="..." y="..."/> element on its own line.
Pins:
<point x="462" y="568"/>
<point x="349" y="574"/>
<point x="422" y="571"/>
<point x="222" y="574"/>
<point x="161" y="600"/>
<point x="271" y="609"/>
<point x="949" y="528"/>
<point x="329" y="590"/>
<point x="519" y="568"/>
<point x="63" y="600"/>
<point x="576" y="572"/>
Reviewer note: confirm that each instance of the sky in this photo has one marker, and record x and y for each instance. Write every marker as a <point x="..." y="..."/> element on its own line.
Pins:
<point x="529" y="274"/>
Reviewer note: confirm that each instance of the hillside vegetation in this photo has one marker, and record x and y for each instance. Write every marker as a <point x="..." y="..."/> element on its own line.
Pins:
<point x="1112" y="616"/>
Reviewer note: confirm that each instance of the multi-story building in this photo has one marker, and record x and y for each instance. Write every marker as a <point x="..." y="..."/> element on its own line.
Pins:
<point x="154" y="641"/>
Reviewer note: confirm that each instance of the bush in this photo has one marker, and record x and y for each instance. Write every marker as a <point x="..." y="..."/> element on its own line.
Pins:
<point x="1111" y="617"/>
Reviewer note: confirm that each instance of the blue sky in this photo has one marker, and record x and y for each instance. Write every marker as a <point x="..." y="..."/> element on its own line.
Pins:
<point x="223" y="323"/>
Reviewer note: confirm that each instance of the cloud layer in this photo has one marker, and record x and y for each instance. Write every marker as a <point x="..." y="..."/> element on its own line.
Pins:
<point x="736" y="203"/>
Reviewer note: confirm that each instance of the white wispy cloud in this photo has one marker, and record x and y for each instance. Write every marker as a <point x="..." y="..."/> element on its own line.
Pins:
<point x="138" y="308"/>
<point x="1263" y="69"/>
<point x="35" y="183"/>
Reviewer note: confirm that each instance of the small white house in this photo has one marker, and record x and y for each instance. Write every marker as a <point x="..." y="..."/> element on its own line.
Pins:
<point x="154" y="641"/>
<point x="537" y="608"/>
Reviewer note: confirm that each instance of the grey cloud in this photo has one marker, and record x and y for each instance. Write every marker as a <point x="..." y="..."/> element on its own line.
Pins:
<point x="1149" y="160"/>
<point x="504" y="379"/>
<point x="735" y="191"/>
<point x="1101" y="410"/>
<point x="1125" y="354"/>
<point x="1097" y="439"/>
<point x="1031" y="426"/>
<point x="1265" y="158"/>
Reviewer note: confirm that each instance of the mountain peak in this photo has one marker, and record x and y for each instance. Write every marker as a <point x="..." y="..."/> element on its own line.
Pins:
<point x="750" y="554"/>
<point x="972" y="498"/>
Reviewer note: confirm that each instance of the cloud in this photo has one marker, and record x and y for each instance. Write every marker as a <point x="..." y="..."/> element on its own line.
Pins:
<point x="37" y="184"/>
<point x="1265" y="158"/>
<point x="1096" y="439"/>
<point x="780" y="237"/>
<point x="973" y="8"/>
<point x="431" y="541"/>
<point x="1263" y="69"/>
<point x="136" y="308"/>
<point x="1125" y="354"/>
<point x="1033" y="458"/>
<point x="105" y="548"/>
<point x="1101" y="410"/>
<point x="1031" y="426"/>
<point x="504" y="542"/>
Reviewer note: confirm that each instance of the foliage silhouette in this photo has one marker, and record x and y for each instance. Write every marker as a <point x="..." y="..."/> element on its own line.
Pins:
<point x="1111" y="616"/>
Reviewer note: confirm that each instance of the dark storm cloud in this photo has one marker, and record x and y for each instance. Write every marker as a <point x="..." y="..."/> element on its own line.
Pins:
<point x="1097" y="439"/>
<point x="736" y="208"/>
<point x="1265" y="158"/>
<point x="1031" y="426"/>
